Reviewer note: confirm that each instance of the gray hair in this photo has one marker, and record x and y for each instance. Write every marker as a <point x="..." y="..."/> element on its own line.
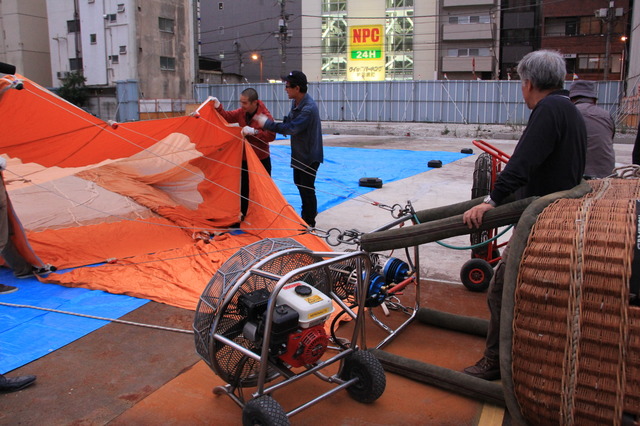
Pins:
<point x="545" y="69"/>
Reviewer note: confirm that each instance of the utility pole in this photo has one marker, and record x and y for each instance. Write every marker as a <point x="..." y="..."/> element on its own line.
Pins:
<point x="283" y="35"/>
<point x="608" y="15"/>
<point x="236" y="44"/>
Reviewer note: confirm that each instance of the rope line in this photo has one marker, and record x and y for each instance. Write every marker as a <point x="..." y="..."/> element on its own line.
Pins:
<point x="119" y="321"/>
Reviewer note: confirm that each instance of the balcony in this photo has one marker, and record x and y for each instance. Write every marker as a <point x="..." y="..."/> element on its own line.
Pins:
<point x="465" y="64"/>
<point x="452" y="32"/>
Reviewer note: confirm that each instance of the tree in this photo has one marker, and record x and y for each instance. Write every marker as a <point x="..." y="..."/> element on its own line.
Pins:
<point x="73" y="89"/>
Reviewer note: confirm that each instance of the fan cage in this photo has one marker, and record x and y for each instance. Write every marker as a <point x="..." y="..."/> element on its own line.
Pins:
<point x="218" y="313"/>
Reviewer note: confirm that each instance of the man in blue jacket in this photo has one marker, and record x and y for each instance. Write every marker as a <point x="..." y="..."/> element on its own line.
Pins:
<point x="304" y="126"/>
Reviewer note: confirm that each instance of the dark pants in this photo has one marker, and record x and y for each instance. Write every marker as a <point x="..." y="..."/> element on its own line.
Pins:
<point x="244" y="184"/>
<point x="8" y="250"/>
<point x="494" y="300"/>
<point x="304" y="177"/>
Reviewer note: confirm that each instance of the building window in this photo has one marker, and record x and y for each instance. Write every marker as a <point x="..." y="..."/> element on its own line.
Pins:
<point x="473" y="19"/>
<point x="334" y="36"/>
<point x="334" y="40"/>
<point x="333" y="6"/>
<point x="167" y="63"/>
<point x="114" y="59"/>
<point x="92" y="39"/>
<point x="165" y="25"/>
<point x="334" y="68"/>
<point x="73" y="26"/>
<point x="399" y="4"/>
<point x="399" y="44"/>
<point x="463" y="53"/>
<point x="220" y="5"/>
<point x="591" y="62"/>
<point x="123" y="50"/>
<point x="120" y="7"/>
<point x="113" y="18"/>
<point x="75" y="64"/>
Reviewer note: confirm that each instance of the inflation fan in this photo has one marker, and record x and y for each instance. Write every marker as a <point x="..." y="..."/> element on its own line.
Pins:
<point x="262" y="319"/>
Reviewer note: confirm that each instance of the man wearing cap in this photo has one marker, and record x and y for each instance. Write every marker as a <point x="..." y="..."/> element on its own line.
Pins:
<point x="600" y="129"/>
<point x="304" y="126"/>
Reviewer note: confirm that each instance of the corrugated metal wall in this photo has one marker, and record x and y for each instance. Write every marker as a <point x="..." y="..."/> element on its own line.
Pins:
<point x="435" y="101"/>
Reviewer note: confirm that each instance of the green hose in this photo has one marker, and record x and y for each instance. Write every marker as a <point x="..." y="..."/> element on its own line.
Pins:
<point x="482" y="244"/>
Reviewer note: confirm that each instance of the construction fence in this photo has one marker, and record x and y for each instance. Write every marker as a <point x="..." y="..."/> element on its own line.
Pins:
<point x="435" y="101"/>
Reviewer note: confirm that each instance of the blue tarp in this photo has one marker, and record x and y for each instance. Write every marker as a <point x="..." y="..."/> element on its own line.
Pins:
<point x="28" y="334"/>
<point x="339" y="175"/>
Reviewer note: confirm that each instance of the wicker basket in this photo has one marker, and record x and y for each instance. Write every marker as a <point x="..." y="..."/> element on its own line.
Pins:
<point x="576" y="338"/>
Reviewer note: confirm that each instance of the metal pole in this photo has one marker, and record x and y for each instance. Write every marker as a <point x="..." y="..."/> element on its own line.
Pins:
<point x="607" y="47"/>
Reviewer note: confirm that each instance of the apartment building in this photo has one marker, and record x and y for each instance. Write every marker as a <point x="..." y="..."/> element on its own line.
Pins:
<point x="150" y="41"/>
<point x="519" y="33"/>
<point x="24" y="38"/>
<point x="590" y="35"/>
<point x="469" y="39"/>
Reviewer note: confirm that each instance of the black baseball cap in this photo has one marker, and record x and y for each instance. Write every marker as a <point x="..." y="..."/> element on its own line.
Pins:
<point x="296" y="78"/>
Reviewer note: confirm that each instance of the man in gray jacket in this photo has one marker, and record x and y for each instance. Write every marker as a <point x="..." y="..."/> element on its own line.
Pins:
<point x="600" y="129"/>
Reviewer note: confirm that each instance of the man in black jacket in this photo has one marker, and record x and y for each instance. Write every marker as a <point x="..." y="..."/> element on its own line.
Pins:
<point x="549" y="157"/>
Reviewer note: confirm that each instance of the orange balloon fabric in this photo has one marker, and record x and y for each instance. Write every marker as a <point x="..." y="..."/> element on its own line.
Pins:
<point x="150" y="201"/>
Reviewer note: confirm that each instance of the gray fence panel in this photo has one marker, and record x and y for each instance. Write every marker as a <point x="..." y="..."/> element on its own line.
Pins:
<point x="433" y="101"/>
<point x="127" y="93"/>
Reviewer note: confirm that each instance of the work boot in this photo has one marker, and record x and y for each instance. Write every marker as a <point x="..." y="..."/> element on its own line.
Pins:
<point x="6" y="289"/>
<point x="486" y="369"/>
<point x="15" y="383"/>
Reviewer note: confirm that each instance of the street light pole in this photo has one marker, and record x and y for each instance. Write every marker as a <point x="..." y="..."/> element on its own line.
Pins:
<point x="255" y="57"/>
<point x="623" y="39"/>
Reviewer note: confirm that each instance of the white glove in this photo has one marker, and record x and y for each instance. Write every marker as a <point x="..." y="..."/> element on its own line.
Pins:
<point x="3" y="164"/>
<point x="248" y="130"/>
<point x="216" y="102"/>
<point x="261" y="119"/>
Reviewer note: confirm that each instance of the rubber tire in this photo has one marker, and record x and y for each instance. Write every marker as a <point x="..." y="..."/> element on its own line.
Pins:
<point x="368" y="369"/>
<point x="480" y="188"/>
<point x="476" y="274"/>
<point x="264" y="411"/>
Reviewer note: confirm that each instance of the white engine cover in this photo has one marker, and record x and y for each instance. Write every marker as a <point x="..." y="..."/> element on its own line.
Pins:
<point x="313" y="306"/>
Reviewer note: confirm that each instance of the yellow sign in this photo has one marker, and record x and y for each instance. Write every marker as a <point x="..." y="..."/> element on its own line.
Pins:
<point x="366" y="53"/>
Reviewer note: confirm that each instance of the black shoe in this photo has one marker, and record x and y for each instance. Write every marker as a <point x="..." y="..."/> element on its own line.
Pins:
<point x="6" y="289"/>
<point x="486" y="369"/>
<point x="15" y="383"/>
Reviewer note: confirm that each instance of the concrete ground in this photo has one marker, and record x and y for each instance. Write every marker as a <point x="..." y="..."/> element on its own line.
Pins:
<point x="433" y="188"/>
<point x="127" y="375"/>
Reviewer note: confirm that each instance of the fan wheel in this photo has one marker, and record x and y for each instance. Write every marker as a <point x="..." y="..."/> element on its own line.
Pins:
<point x="264" y="411"/>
